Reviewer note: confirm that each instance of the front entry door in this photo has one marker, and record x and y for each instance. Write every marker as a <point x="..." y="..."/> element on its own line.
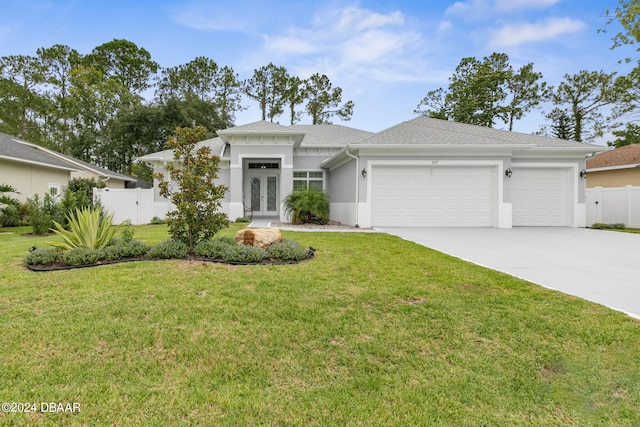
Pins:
<point x="263" y="194"/>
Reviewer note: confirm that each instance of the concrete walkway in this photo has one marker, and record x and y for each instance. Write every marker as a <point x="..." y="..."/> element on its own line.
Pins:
<point x="596" y="265"/>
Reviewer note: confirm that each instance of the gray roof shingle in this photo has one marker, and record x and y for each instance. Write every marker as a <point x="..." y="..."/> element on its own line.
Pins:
<point x="428" y="131"/>
<point x="15" y="149"/>
<point x="329" y="135"/>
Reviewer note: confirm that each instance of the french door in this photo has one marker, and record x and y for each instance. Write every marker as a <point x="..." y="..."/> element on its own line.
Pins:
<point x="263" y="193"/>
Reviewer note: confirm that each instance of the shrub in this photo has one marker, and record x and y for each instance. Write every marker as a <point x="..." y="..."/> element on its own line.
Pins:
<point x="42" y="256"/>
<point x="601" y="226"/>
<point x="156" y="220"/>
<point x="87" y="228"/>
<point x="43" y="213"/>
<point x="288" y="250"/>
<point x="307" y="207"/>
<point x="168" y="249"/>
<point x="81" y="256"/>
<point x="242" y="219"/>
<point x="214" y="249"/>
<point x="244" y="254"/>
<point x="125" y="249"/>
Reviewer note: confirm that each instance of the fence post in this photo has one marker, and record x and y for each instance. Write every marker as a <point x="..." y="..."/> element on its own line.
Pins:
<point x="628" y="192"/>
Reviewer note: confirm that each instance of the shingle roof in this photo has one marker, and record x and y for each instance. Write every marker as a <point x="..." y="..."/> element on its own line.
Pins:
<point x="329" y="135"/>
<point x="216" y="144"/>
<point x="27" y="152"/>
<point x="257" y="127"/>
<point x="627" y="155"/>
<point x="428" y="131"/>
<point x="99" y="170"/>
<point x="15" y="149"/>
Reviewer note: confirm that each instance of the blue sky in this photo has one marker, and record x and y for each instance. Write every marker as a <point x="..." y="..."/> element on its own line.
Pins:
<point x="385" y="55"/>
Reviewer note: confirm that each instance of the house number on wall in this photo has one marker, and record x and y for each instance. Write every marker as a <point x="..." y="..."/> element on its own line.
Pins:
<point x="434" y="162"/>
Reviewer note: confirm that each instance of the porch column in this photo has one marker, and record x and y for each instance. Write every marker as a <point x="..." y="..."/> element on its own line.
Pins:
<point x="236" y="208"/>
<point x="286" y="187"/>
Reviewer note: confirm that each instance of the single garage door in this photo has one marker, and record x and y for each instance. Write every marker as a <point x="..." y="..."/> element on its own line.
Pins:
<point x="432" y="196"/>
<point x="540" y="197"/>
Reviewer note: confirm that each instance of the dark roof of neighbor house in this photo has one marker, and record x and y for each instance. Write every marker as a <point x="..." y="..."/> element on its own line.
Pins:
<point x="26" y="152"/>
<point x="428" y="131"/>
<point x="627" y="155"/>
<point x="97" y="169"/>
<point x="21" y="151"/>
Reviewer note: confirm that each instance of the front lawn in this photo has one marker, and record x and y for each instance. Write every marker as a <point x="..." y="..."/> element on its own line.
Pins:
<point x="374" y="331"/>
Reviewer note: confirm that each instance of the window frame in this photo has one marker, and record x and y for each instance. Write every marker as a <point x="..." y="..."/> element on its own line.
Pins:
<point x="306" y="179"/>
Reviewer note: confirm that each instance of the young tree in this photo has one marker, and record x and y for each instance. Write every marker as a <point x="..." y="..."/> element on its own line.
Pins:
<point x="562" y="125"/>
<point x="192" y="189"/>
<point x="323" y="100"/>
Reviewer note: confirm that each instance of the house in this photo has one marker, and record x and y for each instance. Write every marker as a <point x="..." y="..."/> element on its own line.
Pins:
<point x="615" y="168"/>
<point x="422" y="172"/>
<point x="33" y="169"/>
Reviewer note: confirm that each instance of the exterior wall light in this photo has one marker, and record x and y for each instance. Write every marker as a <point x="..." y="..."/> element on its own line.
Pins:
<point x="364" y="172"/>
<point x="583" y="174"/>
<point x="508" y="173"/>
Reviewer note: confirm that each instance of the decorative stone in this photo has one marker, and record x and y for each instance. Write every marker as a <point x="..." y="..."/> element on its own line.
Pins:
<point x="258" y="237"/>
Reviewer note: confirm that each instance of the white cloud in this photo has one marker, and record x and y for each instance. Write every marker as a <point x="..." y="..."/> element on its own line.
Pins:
<point x="480" y="9"/>
<point x="509" y="5"/>
<point x="468" y="8"/>
<point x="444" y="27"/>
<point x="517" y="34"/>
<point x="356" y="18"/>
<point x="349" y="42"/>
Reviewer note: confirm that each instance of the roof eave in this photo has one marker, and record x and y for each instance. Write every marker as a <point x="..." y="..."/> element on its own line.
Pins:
<point x="615" y="167"/>
<point x="32" y="162"/>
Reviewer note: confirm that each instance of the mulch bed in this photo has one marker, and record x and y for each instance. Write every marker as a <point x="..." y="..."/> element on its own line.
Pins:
<point x="57" y="266"/>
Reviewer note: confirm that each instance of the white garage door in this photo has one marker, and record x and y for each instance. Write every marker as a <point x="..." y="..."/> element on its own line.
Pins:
<point x="432" y="196"/>
<point x="540" y="196"/>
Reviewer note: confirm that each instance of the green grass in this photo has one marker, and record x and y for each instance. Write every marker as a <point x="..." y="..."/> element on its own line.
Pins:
<point x="374" y="331"/>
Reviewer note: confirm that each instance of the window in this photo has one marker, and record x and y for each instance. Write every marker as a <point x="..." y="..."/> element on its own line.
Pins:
<point x="54" y="190"/>
<point x="308" y="179"/>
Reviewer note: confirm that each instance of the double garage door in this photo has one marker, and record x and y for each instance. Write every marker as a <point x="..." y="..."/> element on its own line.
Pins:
<point x="466" y="196"/>
<point x="433" y="196"/>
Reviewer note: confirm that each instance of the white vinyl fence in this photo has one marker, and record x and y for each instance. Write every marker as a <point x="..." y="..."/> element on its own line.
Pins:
<point x="133" y="204"/>
<point x="614" y="205"/>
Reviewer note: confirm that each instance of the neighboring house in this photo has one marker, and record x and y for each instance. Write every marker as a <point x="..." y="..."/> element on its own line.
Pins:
<point x="615" y="168"/>
<point x="423" y="172"/>
<point x="33" y="169"/>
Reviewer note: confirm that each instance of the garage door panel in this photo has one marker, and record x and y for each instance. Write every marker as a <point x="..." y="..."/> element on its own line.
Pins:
<point x="541" y="196"/>
<point x="438" y="196"/>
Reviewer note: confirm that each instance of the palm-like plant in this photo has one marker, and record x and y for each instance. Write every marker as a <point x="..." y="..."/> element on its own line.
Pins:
<point x="9" y="206"/>
<point x="87" y="229"/>
<point x="307" y="207"/>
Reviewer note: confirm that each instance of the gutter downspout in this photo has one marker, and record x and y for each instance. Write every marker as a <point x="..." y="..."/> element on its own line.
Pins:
<point x="346" y="151"/>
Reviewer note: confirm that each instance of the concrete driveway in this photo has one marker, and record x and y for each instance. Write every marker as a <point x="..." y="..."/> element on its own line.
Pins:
<point x="599" y="266"/>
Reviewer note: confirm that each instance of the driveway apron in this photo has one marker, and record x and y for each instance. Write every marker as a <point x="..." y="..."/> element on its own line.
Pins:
<point x="596" y="265"/>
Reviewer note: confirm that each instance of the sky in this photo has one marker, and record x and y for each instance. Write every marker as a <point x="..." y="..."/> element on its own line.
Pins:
<point x="385" y="55"/>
